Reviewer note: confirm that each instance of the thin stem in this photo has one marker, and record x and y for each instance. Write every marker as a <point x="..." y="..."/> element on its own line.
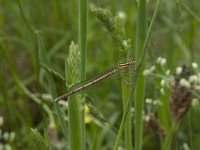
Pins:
<point x="134" y="79"/>
<point x="77" y="115"/>
<point x="191" y="12"/>
<point x="83" y="18"/>
<point x="128" y="125"/>
<point x="140" y="87"/>
<point x="24" y="18"/>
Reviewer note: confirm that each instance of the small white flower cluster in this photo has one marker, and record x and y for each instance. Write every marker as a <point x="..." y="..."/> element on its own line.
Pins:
<point x="193" y="81"/>
<point x="5" y="146"/>
<point x="194" y="65"/>
<point x="164" y="75"/>
<point x="147" y="118"/>
<point x="163" y="83"/>
<point x="168" y="72"/>
<point x="6" y="136"/>
<point x="153" y="102"/>
<point x="179" y="70"/>
<point x="149" y="71"/>
<point x="162" y="61"/>
<point x="184" y="83"/>
<point x="162" y="91"/>
<point x="185" y="146"/>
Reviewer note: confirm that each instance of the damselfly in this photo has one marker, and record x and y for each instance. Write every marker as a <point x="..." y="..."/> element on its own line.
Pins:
<point x="85" y="84"/>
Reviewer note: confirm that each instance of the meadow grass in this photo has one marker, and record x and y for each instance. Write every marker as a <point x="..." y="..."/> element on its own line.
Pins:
<point x="39" y="62"/>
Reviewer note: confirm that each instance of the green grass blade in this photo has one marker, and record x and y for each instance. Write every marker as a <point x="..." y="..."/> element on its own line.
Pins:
<point x="43" y="59"/>
<point x="128" y="124"/>
<point x="82" y="43"/>
<point x="140" y="86"/>
<point x="72" y="73"/>
<point x="24" y="18"/>
<point x="134" y="79"/>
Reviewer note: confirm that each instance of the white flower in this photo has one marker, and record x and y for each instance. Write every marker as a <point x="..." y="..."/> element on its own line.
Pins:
<point x="162" y="82"/>
<point x="159" y="60"/>
<point x="6" y="136"/>
<point x="163" y="61"/>
<point x="193" y="79"/>
<point x="146" y="72"/>
<point x="195" y="102"/>
<point x="8" y="147"/>
<point x="122" y="14"/>
<point x="185" y="146"/>
<point x="148" y="101"/>
<point x="147" y="118"/>
<point x="152" y="68"/>
<point x="198" y="75"/>
<point x="197" y="87"/>
<point x="184" y="83"/>
<point x="162" y="91"/>
<point x="194" y="65"/>
<point x="1" y="120"/>
<point x="12" y="136"/>
<point x="157" y="102"/>
<point x="179" y="70"/>
<point x="168" y="72"/>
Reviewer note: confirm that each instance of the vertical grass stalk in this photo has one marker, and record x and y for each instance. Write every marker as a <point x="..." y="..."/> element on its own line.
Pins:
<point x="76" y="112"/>
<point x="128" y="124"/>
<point x="75" y="124"/>
<point x="82" y="35"/>
<point x="82" y="43"/>
<point x="140" y="87"/>
<point x="72" y="73"/>
<point x="134" y="79"/>
<point x="24" y="18"/>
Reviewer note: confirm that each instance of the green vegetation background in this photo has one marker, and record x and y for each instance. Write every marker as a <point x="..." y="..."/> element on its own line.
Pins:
<point x="175" y="36"/>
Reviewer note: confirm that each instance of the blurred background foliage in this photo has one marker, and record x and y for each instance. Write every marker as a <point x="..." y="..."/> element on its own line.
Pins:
<point x="175" y="36"/>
